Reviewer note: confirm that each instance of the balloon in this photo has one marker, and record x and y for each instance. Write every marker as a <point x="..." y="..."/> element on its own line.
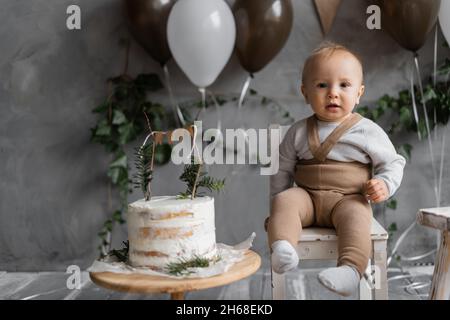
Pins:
<point x="263" y="27"/>
<point x="201" y="35"/>
<point x="147" y="20"/>
<point x="409" y="21"/>
<point x="444" y="19"/>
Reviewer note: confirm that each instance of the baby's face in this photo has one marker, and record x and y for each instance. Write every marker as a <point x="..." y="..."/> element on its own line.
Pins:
<point x="333" y="85"/>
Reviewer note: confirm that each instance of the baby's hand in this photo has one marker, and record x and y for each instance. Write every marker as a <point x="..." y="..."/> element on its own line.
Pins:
<point x="376" y="190"/>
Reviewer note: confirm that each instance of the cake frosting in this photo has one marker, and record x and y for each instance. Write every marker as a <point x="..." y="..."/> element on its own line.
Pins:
<point x="166" y="229"/>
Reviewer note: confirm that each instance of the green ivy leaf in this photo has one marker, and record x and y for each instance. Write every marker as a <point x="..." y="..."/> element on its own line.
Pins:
<point x="404" y="97"/>
<point x="363" y="110"/>
<point x="101" y="108"/>
<point x="114" y="174"/>
<point x="405" y="117"/>
<point x="108" y="225"/>
<point x="392" y="204"/>
<point x="392" y="227"/>
<point x="117" y="216"/>
<point x="445" y="68"/>
<point x="405" y="151"/>
<point x="429" y="94"/>
<point x="221" y="101"/>
<point x="253" y="92"/>
<point x="422" y="129"/>
<point x="118" y="117"/>
<point x="375" y="114"/>
<point x="120" y="161"/>
<point x="126" y="133"/>
<point x="103" y="128"/>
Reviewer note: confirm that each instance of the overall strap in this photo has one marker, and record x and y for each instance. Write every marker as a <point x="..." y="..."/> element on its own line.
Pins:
<point x="320" y="151"/>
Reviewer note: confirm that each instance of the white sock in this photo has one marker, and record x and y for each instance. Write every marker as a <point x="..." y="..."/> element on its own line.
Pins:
<point x="284" y="256"/>
<point x="343" y="280"/>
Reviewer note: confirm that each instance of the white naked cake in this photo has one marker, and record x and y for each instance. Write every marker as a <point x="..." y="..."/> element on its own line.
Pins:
<point x="165" y="229"/>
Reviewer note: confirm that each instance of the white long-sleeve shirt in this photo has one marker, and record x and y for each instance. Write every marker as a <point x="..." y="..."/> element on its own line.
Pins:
<point x="365" y="142"/>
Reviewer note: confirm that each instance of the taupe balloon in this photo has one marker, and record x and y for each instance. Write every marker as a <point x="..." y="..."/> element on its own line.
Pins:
<point x="409" y="21"/>
<point x="147" y="20"/>
<point x="262" y="29"/>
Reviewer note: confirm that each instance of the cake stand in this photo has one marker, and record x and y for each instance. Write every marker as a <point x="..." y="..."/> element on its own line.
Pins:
<point x="142" y="283"/>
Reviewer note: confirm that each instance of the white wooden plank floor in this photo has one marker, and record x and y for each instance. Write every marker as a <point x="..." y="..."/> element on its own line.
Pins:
<point x="300" y="285"/>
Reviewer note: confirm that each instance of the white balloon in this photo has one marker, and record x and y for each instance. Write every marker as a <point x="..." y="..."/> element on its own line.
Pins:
<point x="201" y="36"/>
<point x="444" y="19"/>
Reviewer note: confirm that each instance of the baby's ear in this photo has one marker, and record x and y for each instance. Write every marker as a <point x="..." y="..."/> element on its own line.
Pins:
<point x="302" y="89"/>
<point x="360" y="93"/>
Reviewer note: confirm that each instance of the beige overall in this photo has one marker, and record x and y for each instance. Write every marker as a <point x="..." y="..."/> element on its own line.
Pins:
<point x="329" y="194"/>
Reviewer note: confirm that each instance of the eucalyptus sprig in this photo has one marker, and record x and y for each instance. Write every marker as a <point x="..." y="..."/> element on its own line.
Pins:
<point x="182" y="266"/>
<point x="122" y="254"/>
<point x="144" y="156"/>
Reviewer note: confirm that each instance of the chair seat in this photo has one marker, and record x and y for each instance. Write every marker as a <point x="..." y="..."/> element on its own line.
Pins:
<point x="321" y="244"/>
<point x="309" y="234"/>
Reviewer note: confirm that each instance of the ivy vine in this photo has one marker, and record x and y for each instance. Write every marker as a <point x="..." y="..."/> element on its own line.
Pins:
<point x="120" y="121"/>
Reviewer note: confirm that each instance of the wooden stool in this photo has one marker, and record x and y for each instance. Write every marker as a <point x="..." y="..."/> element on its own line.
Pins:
<point x="439" y="218"/>
<point x="321" y="244"/>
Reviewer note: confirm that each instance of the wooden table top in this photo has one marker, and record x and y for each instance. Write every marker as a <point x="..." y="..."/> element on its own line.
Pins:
<point x="142" y="283"/>
<point x="437" y="218"/>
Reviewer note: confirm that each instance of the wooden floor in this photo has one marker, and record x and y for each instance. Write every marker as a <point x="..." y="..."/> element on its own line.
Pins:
<point x="300" y="285"/>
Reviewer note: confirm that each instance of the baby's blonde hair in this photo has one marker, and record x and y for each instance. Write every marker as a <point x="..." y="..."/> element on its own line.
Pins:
<point x="327" y="48"/>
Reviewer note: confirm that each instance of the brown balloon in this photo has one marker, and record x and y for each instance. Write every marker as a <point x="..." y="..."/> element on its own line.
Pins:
<point x="262" y="29"/>
<point x="409" y="21"/>
<point x="147" y="20"/>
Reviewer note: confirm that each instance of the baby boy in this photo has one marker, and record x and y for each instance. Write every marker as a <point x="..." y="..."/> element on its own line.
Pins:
<point x="340" y="162"/>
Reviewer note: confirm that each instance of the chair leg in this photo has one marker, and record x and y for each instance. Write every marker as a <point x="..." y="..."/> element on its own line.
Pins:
<point x="380" y="269"/>
<point x="278" y="286"/>
<point x="366" y="285"/>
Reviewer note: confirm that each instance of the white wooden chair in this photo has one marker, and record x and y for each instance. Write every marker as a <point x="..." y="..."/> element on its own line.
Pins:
<point x="321" y="244"/>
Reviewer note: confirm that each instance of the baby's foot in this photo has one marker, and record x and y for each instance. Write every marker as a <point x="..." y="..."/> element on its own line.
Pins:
<point x="284" y="257"/>
<point x="343" y="280"/>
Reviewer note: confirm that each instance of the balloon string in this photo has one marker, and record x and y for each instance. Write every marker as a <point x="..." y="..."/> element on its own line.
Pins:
<point x="218" y="141"/>
<point x="413" y="98"/>
<point x="241" y="100"/>
<point x="399" y="241"/>
<point x="427" y="124"/>
<point x="441" y="168"/>
<point x="216" y="105"/>
<point x="175" y="108"/>
<point x="203" y="93"/>
<point x="244" y="90"/>
<point x="434" y="77"/>
<point x="435" y="55"/>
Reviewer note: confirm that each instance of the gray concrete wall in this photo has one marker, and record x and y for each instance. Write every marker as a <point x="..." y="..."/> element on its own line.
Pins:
<point x="53" y="186"/>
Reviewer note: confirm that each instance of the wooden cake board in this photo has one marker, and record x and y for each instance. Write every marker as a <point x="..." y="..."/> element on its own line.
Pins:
<point x="142" y="283"/>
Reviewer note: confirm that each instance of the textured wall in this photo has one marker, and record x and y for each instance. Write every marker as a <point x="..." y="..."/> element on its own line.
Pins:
<point x="53" y="187"/>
